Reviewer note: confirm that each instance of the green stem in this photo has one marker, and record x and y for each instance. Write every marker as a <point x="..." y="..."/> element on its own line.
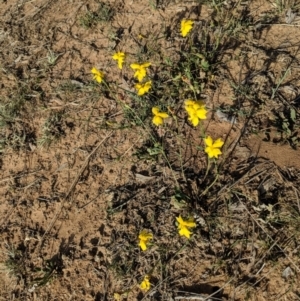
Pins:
<point x="207" y="188"/>
<point x="207" y="168"/>
<point x="124" y="105"/>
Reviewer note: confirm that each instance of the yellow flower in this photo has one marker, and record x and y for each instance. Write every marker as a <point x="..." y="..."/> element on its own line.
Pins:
<point x="183" y="226"/>
<point x="119" y="57"/>
<point x="120" y="296"/>
<point x="144" y="238"/>
<point x="196" y="111"/>
<point x="143" y="88"/>
<point x="98" y="75"/>
<point x="158" y="118"/>
<point x="140" y="72"/>
<point x="145" y="285"/>
<point x="140" y="36"/>
<point x="213" y="148"/>
<point x="186" y="26"/>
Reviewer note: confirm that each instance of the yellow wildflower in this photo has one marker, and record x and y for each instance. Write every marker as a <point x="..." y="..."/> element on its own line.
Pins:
<point x="158" y="118"/>
<point x="213" y="148"/>
<point x="143" y="88"/>
<point x="140" y="36"/>
<point x="196" y="111"/>
<point x="184" y="225"/>
<point x="144" y="238"/>
<point x="119" y="57"/>
<point x="140" y="72"/>
<point x="186" y="26"/>
<point x="145" y="285"/>
<point x="98" y="75"/>
<point x="120" y="296"/>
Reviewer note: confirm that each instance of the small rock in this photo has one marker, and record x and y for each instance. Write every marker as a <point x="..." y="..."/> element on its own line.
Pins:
<point x="287" y="273"/>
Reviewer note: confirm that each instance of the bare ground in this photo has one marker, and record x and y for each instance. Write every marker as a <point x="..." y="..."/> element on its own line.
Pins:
<point x="80" y="178"/>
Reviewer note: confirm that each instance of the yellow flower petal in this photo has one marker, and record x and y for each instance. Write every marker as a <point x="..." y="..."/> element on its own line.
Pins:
<point x="135" y="66"/>
<point x="143" y="88"/>
<point x="196" y="110"/>
<point x="146" y="65"/>
<point x="213" y="148"/>
<point x="118" y="55"/>
<point x="184" y="231"/>
<point x="189" y="102"/>
<point x="201" y="113"/>
<point x="145" y="285"/>
<point x="183" y="226"/>
<point x="157" y="120"/>
<point x="94" y="70"/>
<point x="145" y="235"/>
<point x="190" y="110"/>
<point x="143" y="245"/>
<point x="190" y="223"/>
<point x="208" y="141"/>
<point x="186" y="223"/>
<point x="213" y="152"/>
<point x="163" y="115"/>
<point x="117" y="296"/>
<point x="216" y="152"/>
<point x="144" y="238"/>
<point x="120" y="58"/>
<point x="155" y="110"/>
<point x="179" y="220"/>
<point x="140" y="72"/>
<point x="98" y="75"/>
<point x="218" y="143"/>
<point x="139" y="66"/>
<point x="186" y="26"/>
<point x="194" y="120"/>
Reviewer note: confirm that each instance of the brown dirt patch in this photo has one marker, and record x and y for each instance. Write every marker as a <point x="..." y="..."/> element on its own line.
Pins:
<point x="81" y="175"/>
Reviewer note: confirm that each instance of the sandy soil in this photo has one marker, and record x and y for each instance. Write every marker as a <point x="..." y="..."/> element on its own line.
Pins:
<point x="70" y="213"/>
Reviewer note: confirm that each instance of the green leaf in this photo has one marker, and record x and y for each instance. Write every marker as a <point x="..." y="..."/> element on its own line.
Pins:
<point x="205" y="65"/>
<point x="201" y="56"/>
<point x="293" y="114"/>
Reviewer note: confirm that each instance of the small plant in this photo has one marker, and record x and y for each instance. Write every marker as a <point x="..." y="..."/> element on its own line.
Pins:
<point x="10" y="110"/>
<point x="15" y="132"/>
<point x="52" y="129"/>
<point x="104" y="13"/>
<point x="15" y="262"/>
<point x="283" y="5"/>
<point x="52" y="57"/>
<point x="42" y="276"/>
<point x="286" y="124"/>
